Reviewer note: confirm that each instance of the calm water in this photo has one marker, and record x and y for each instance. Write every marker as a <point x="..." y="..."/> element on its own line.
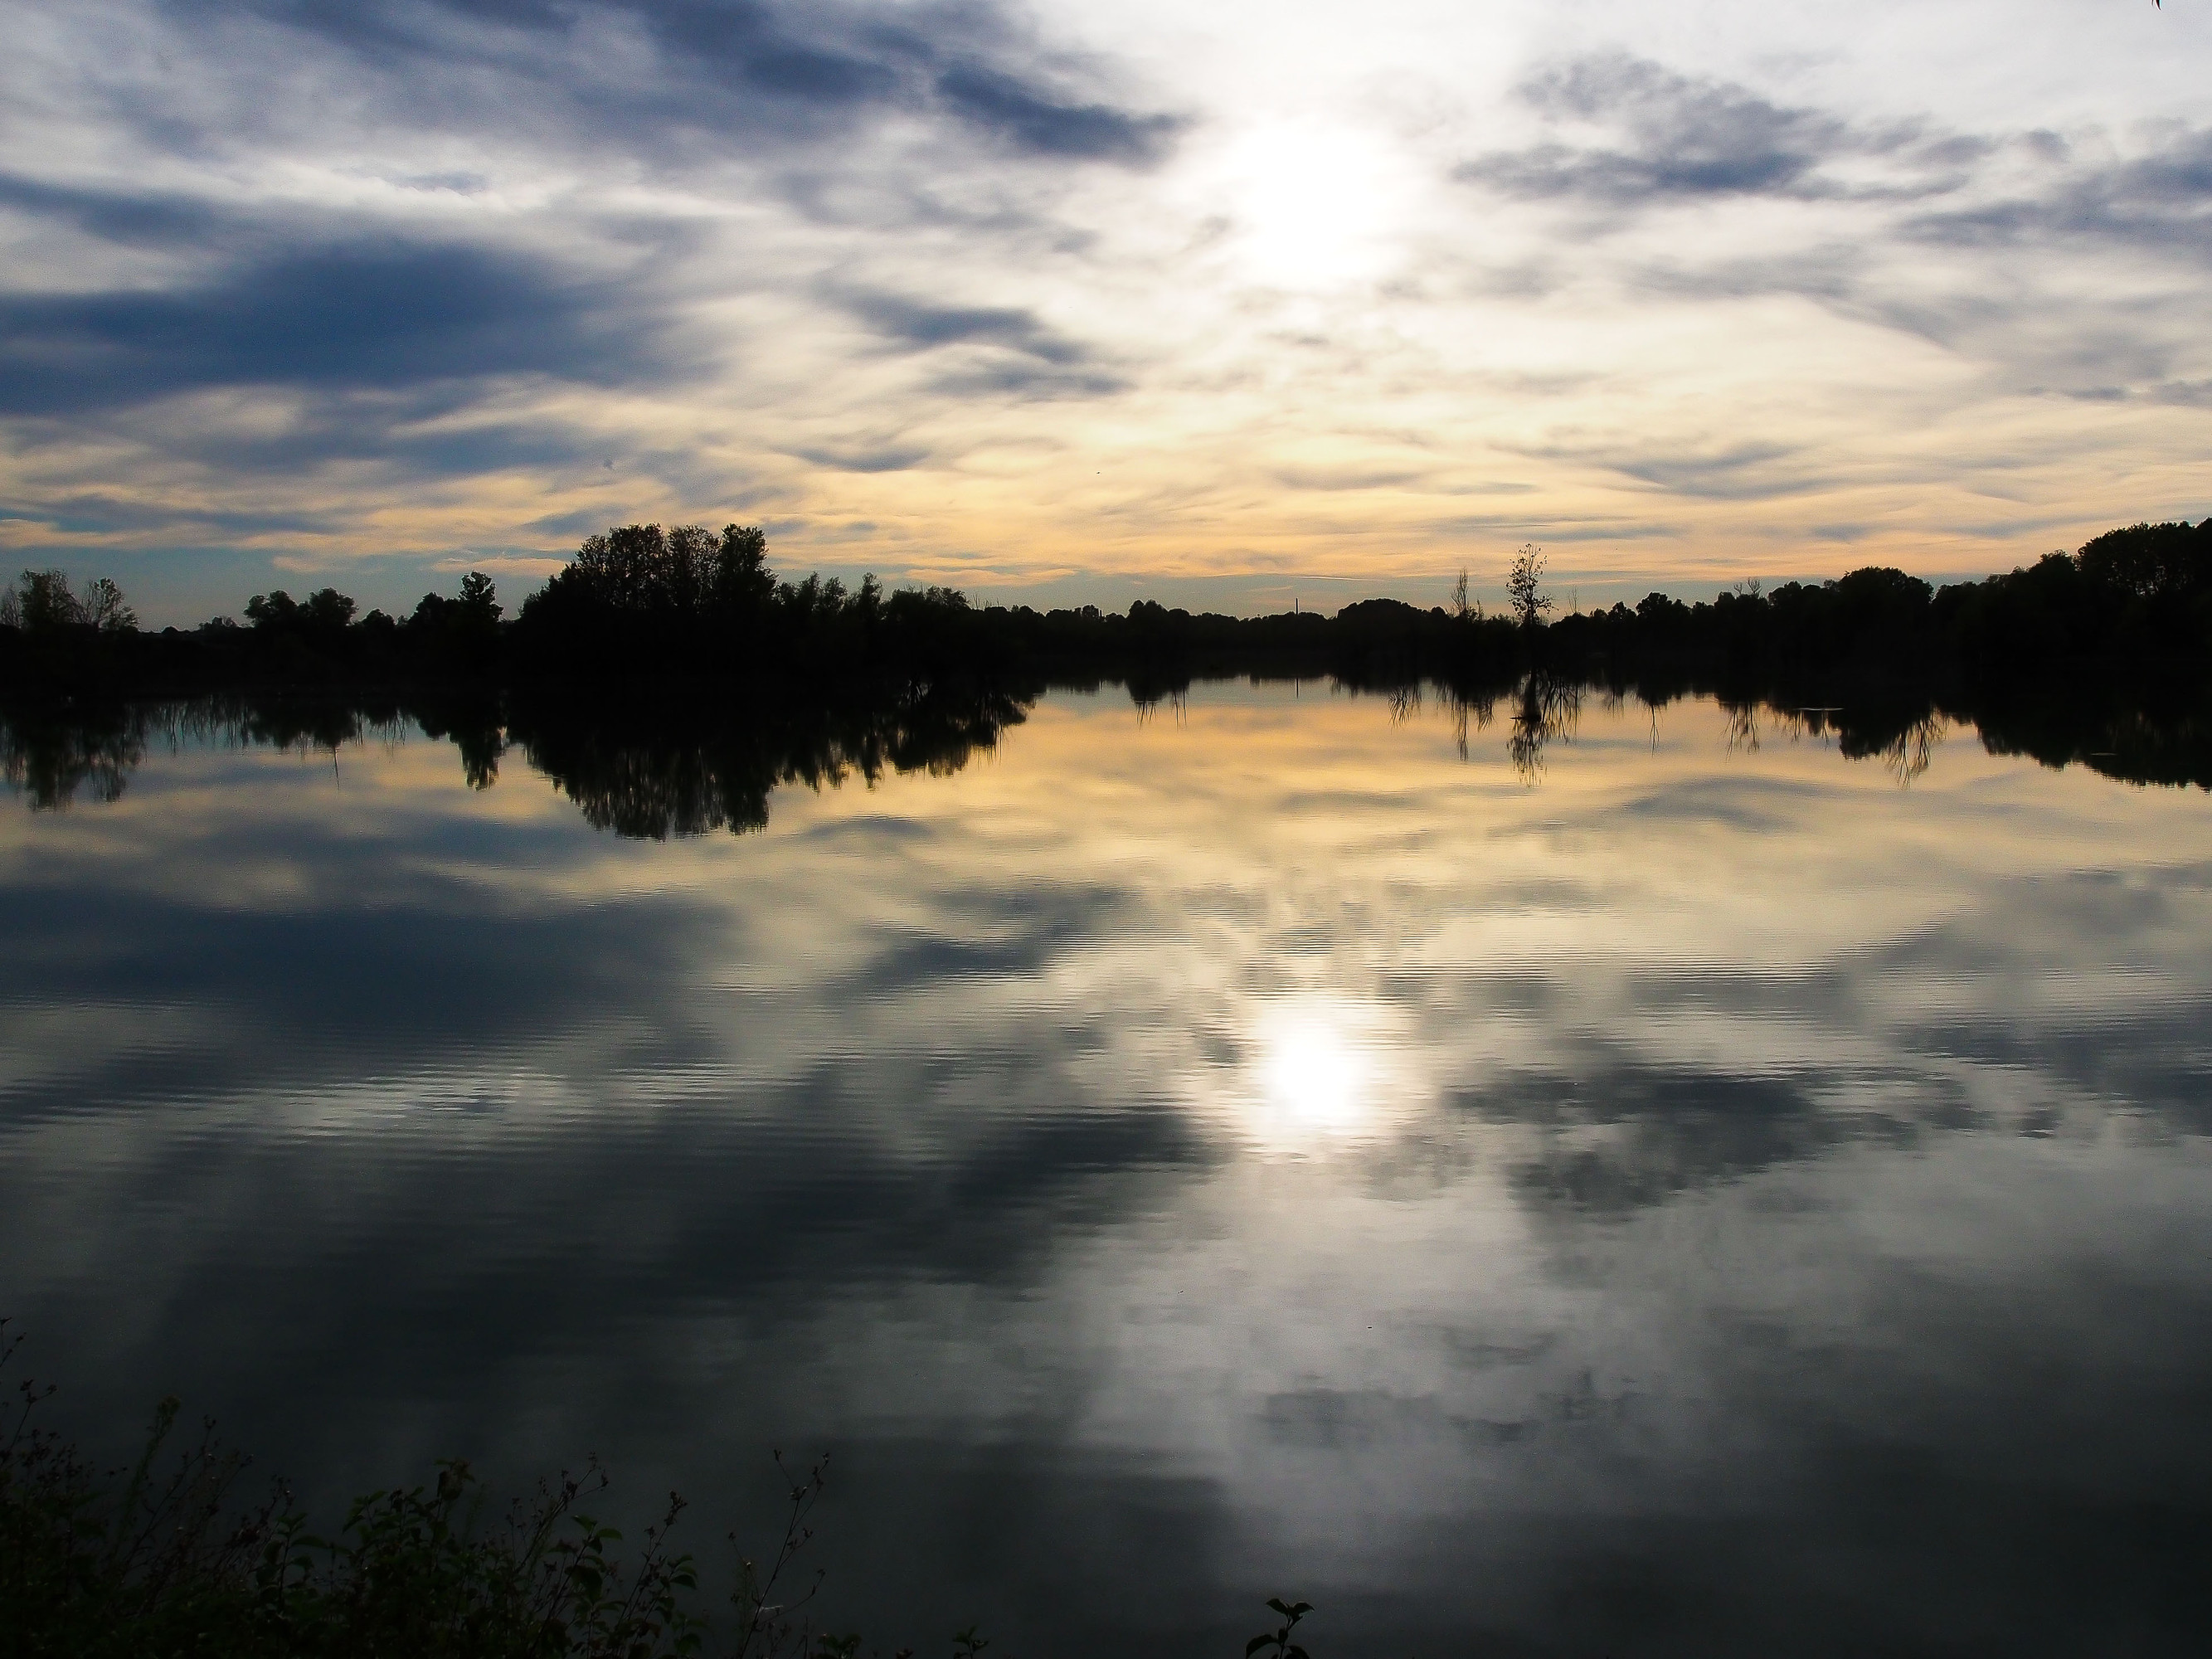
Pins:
<point x="1683" y="1191"/>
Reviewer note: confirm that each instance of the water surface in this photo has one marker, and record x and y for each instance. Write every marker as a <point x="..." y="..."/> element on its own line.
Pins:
<point x="1671" y="1188"/>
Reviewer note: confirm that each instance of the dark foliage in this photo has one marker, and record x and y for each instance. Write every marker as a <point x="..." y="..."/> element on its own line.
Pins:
<point x="160" y="1561"/>
<point x="2131" y="602"/>
<point x="641" y="604"/>
<point x="656" y="767"/>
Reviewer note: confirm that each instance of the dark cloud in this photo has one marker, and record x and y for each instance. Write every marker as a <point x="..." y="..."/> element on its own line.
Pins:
<point x="2160" y="204"/>
<point x="755" y="69"/>
<point x="1004" y="350"/>
<point x="155" y="219"/>
<point x="370" y="326"/>
<point x="1625" y="136"/>
<point x="1004" y="106"/>
<point x="388" y="426"/>
<point x="383" y="315"/>
<point x="1653" y="137"/>
<point x="1025" y="381"/>
<point x="913" y="323"/>
<point x="98" y="512"/>
<point x="1831" y="270"/>
<point x="1677" y="137"/>
<point x="1744" y="471"/>
<point x="887" y="459"/>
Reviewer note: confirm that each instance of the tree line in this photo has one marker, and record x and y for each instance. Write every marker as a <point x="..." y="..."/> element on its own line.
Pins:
<point x="641" y="603"/>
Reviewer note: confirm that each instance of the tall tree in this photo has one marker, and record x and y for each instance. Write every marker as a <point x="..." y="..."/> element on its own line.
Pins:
<point x="1524" y="586"/>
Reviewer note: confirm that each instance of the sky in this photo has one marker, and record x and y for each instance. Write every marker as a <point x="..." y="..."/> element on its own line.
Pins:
<point x="1235" y="305"/>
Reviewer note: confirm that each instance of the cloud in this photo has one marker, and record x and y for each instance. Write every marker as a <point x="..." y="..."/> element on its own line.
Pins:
<point x="99" y="513"/>
<point x="1677" y="136"/>
<point x="469" y="239"/>
<point x="2160" y="203"/>
<point x="1995" y="248"/>
<point x="1656" y="137"/>
<point x="378" y="316"/>
<point x="1740" y="471"/>
<point x="1003" y="106"/>
<point x="650" y="71"/>
<point x="1006" y="350"/>
<point x="132" y="218"/>
<point x="890" y="457"/>
<point x="1027" y="382"/>
<point x="413" y="270"/>
<point x="925" y="327"/>
<point x="1331" y="479"/>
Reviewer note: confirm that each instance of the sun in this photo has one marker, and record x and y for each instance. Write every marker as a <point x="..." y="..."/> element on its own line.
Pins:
<point x="1313" y="205"/>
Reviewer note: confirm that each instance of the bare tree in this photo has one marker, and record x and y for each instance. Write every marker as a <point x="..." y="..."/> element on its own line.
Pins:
<point x="1464" y="608"/>
<point x="1524" y="586"/>
<point x="101" y="604"/>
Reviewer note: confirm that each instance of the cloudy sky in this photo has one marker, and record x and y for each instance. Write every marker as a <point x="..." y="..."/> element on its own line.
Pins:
<point x="1225" y="302"/>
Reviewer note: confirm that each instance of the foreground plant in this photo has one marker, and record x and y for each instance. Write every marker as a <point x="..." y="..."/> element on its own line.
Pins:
<point x="157" y="1562"/>
<point x="1277" y="1643"/>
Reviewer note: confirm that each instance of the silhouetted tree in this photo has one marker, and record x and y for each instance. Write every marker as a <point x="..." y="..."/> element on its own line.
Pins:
<point x="478" y="597"/>
<point x="1462" y="608"/>
<point x="42" y="602"/>
<point x="460" y="633"/>
<point x="102" y="607"/>
<point x="327" y="610"/>
<point x="1524" y="586"/>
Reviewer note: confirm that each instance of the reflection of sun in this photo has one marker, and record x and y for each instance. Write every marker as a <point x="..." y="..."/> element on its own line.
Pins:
<point x="1316" y="1077"/>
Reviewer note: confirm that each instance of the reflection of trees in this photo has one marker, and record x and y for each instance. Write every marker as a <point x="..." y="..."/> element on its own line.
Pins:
<point x="668" y="767"/>
<point x="675" y="766"/>
<point x="472" y="722"/>
<point x="1910" y="752"/>
<point x="645" y="767"/>
<point x="1743" y="725"/>
<point x="1148" y="691"/>
<point x="2162" y="735"/>
<point x="1903" y="735"/>
<point x="1475" y="709"/>
<point x="1546" y="710"/>
<point x="55" y="752"/>
<point x="52" y="753"/>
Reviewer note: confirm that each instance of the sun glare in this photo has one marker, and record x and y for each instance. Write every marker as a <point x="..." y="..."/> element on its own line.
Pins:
<point x="1313" y="206"/>
<point x="1316" y="1077"/>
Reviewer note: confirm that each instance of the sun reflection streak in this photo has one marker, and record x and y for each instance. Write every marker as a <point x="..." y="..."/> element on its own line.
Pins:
<point x="1318" y="1071"/>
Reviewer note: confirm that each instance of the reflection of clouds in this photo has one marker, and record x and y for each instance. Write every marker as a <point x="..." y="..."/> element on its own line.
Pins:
<point x="1403" y="1167"/>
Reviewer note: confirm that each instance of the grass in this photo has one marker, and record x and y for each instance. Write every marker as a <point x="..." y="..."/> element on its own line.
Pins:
<point x="162" y="1560"/>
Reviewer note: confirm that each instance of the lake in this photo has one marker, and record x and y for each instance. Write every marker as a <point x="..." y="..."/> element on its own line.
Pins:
<point x="1642" y="1181"/>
